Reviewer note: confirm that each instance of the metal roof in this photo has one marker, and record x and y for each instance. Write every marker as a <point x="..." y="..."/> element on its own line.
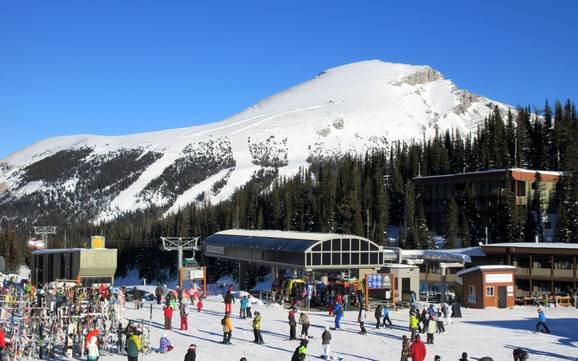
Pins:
<point x="308" y="236"/>
<point x="553" y="245"/>
<point x="262" y="241"/>
<point x="487" y="268"/>
<point x="435" y="255"/>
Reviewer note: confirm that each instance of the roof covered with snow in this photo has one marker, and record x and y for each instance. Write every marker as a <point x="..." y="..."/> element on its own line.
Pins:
<point x="63" y="250"/>
<point x="487" y="268"/>
<point x="308" y="236"/>
<point x="494" y="171"/>
<point x="435" y="255"/>
<point x="552" y="245"/>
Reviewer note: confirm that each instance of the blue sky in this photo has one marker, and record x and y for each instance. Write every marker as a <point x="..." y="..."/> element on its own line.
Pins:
<point x="120" y="67"/>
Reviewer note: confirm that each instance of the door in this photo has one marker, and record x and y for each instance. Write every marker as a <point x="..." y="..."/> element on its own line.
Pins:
<point x="502" y="297"/>
<point x="406" y="289"/>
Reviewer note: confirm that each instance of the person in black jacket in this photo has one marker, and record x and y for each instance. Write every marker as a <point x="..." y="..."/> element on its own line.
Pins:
<point x="378" y="312"/>
<point x="326" y="343"/>
<point x="191" y="353"/>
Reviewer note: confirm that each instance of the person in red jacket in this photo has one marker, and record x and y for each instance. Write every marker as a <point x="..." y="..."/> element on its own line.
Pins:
<point x="168" y="312"/>
<point x="2" y="340"/>
<point x="417" y="350"/>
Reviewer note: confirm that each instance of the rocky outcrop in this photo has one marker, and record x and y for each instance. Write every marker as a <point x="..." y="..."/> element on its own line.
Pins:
<point x="421" y="77"/>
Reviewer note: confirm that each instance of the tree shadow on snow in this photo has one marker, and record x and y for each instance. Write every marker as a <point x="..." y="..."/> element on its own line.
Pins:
<point x="564" y="328"/>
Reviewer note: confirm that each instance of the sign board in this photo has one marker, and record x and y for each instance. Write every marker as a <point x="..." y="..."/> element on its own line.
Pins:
<point x="378" y="281"/>
<point x="510" y="289"/>
<point x="97" y="242"/>
<point x="472" y="299"/>
<point x="196" y="274"/>
<point x="499" y="278"/>
<point x="215" y="249"/>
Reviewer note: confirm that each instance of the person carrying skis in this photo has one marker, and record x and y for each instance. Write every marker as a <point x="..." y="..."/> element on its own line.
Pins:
<point x="361" y="319"/>
<point x="184" y="313"/>
<point x="243" y="307"/>
<point x="304" y="321"/>
<point x="404" y="348"/>
<point x="377" y="314"/>
<point x="257" y="328"/>
<point x="227" y="329"/>
<point x="168" y="313"/>
<point x="300" y="352"/>
<point x="326" y="343"/>
<point x="191" y="353"/>
<point x="292" y="325"/>
<point x="417" y="350"/>
<point x="541" y="325"/>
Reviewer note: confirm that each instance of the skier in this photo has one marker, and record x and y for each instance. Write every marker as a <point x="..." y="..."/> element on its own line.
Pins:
<point x="361" y="319"/>
<point x="417" y="350"/>
<point x="448" y="312"/>
<point x="191" y="353"/>
<point x="229" y="299"/>
<point x="378" y="312"/>
<point x="326" y="343"/>
<point x="431" y="330"/>
<point x="227" y="329"/>
<point x="133" y="346"/>
<point x="164" y="344"/>
<point x="243" y="307"/>
<point x="2" y="343"/>
<point x="292" y="325"/>
<point x="437" y="358"/>
<point x="137" y="298"/>
<point x="413" y="326"/>
<point x="200" y="304"/>
<point x="386" y="317"/>
<point x="304" y="321"/>
<point x="184" y="316"/>
<point x="404" y="348"/>
<point x="338" y="312"/>
<point x="168" y="313"/>
<point x="541" y="325"/>
<point x="257" y="328"/>
<point x="92" y="350"/>
<point x="300" y="352"/>
<point x="464" y="357"/>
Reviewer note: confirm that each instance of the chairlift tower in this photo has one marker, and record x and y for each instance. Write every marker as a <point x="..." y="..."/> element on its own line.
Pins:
<point x="44" y="231"/>
<point x="180" y="244"/>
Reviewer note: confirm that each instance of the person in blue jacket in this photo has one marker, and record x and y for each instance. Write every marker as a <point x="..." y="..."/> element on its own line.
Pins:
<point x="386" y="316"/>
<point x="541" y="325"/>
<point x="338" y="312"/>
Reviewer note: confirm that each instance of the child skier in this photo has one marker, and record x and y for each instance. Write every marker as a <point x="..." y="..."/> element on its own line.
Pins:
<point x="200" y="304"/>
<point x="326" y="343"/>
<point x="257" y="328"/>
<point x="164" y="344"/>
<point x="184" y="316"/>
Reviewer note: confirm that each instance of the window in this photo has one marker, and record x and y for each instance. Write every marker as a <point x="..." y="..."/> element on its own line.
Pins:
<point x="490" y="291"/>
<point x="471" y="290"/>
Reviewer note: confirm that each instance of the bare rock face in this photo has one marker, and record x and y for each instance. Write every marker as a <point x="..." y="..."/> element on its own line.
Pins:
<point x="339" y="123"/>
<point x="466" y="99"/>
<point x="422" y="77"/>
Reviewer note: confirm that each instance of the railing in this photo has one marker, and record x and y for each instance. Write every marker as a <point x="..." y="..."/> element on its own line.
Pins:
<point x="544" y="272"/>
<point x="563" y="273"/>
<point x="523" y="271"/>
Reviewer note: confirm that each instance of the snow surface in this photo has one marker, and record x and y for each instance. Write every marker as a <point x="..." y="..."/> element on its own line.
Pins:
<point x="490" y="332"/>
<point x="350" y="108"/>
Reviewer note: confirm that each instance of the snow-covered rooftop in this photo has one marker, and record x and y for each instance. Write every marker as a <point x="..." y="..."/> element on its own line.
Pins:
<point x="61" y="250"/>
<point x="491" y="171"/>
<point x="487" y="268"/>
<point x="549" y="245"/>
<point x="309" y="236"/>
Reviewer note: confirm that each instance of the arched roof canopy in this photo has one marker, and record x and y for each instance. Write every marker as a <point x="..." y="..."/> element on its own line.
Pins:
<point x="304" y="250"/>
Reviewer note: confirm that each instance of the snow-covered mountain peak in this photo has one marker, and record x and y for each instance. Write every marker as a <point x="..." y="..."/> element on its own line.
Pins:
<point x="349" y="108"/>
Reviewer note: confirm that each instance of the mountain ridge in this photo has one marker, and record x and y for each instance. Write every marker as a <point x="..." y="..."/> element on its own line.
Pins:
<point x="351" y="108"/>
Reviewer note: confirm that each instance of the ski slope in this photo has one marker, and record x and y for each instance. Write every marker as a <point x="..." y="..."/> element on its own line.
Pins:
<point x="348" y="109"/>
<point x="490" y="332"/>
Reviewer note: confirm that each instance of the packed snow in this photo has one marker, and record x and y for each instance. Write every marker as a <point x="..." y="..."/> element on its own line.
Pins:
<point x="489" y="332"/>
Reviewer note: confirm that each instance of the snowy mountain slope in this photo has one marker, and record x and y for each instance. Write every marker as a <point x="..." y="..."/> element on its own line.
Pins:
<point x="350" y="108"/>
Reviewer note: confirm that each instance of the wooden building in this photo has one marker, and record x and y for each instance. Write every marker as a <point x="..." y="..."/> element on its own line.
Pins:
<point x="488" y="286"/>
